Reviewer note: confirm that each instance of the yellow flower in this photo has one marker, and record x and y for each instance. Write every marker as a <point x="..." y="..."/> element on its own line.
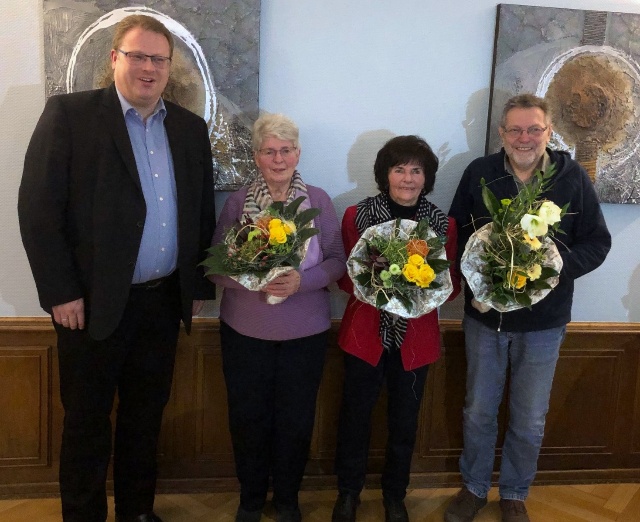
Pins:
<point x="410" y="272"/>
<point x="289" y="227"/>
<point x="416" y="260"/>
<point x="425" y="276"/>
<point x="534" y="272"/>
<point x="275" y="223"/>
<point x="277" y="235"/>
<point x="517" y="280"/>
<point x="549" y="212"/>
<point x="534" y="243"/>
<point x="533" y="225"/>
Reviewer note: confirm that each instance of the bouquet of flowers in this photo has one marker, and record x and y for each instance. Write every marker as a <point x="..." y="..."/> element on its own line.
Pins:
<point x="512" y="262"/>
<point x="257" y="251"/>
<point x="400" y="266"/>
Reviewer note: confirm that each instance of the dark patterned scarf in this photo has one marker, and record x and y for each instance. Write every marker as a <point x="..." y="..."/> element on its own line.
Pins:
<point x="375" y="210"/>
<point x="258" y="197"/>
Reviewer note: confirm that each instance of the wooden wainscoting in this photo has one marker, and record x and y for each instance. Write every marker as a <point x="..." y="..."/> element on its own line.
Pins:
<point x="592" y="433"/>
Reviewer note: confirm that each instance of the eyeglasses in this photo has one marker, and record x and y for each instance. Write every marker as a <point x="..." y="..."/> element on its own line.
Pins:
<point x="516" y="132"/>
<point x="285" y="152"/>
<point x="135" y="58"/>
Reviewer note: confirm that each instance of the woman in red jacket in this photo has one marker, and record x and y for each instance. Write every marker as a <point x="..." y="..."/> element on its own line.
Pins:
<point x="380" y="346"/>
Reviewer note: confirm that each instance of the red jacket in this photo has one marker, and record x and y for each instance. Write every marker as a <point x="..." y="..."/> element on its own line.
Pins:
<point x="358" y="333"/>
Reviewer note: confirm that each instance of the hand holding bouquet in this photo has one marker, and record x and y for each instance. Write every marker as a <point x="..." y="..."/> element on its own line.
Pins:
<point x="512" y="262"/>
<point x="400" y="266"/>
<point x="257" y="251"/>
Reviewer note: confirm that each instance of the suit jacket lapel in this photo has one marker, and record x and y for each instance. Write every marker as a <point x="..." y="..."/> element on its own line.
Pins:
<point x="115" y="124"/>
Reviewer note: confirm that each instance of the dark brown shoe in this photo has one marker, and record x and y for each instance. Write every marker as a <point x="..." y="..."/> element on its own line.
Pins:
<point x="513" y="511"/>
<point x="464" y="507"/>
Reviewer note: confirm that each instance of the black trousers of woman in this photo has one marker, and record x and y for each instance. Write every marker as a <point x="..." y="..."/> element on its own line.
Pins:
<point x="362" y="386"/>
<point x="272" y="388"/>
<point x="136" y="360"/>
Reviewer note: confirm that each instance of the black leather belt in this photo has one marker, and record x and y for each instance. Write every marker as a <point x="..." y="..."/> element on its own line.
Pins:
<point x="151" y="284"/>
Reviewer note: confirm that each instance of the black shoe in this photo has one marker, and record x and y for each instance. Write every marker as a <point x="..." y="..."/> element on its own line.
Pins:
<point x="288" y="515"/>
<point x="345" y="507"/>
<point x="146" y="517"/>
<point x="395" y="511"/>
<point x="242" y="515"/>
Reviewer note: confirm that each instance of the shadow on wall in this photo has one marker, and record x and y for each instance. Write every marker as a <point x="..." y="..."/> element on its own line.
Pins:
<point x="450" y="172"/>
<point x="360" y="160"/>
<point x="631" y="301"/>
<point x="451" y="169"/>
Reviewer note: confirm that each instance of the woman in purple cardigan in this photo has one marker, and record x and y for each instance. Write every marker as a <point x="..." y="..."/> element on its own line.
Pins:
<point x="273" y="355"/>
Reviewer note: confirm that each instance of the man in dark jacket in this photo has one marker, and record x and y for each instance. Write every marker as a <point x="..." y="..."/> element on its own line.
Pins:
<point x="526" y="340"/>
<point x="116" y="209"/>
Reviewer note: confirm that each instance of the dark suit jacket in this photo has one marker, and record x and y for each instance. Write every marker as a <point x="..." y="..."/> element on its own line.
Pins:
<point x="82" y="209"/>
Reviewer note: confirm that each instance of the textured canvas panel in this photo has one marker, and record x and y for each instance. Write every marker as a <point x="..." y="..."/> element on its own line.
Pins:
<point x="214" y="71"/>
<point x="585" y="63"/>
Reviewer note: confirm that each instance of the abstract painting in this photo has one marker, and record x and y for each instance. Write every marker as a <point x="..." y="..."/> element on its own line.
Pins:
<point x="214" y="71"/>
<point x="586" y="65"/>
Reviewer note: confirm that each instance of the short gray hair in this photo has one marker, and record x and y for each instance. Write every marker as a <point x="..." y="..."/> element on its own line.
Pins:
<point x="525" y="101"/>
<point x="276" y="126"/>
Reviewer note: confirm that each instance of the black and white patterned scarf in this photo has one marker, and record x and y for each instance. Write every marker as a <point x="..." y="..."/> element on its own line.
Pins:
<point x="375" y="210"/>
<point x="258" y="197"/>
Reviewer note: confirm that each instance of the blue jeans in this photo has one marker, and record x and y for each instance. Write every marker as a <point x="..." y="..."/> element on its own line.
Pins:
<point x="531" y="358"/>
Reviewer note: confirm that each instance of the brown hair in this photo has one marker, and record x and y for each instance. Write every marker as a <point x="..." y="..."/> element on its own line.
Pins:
<point x="525" y="101"/>
<point x="403" y="150"/>
<point x="145" y="22"/>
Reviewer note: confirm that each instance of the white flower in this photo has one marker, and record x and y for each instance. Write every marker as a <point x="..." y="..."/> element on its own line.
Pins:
<point x="534" y="225"/>
<point x="549" y="212"/>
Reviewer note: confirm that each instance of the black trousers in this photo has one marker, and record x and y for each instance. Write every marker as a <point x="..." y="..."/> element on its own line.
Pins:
<point x="136" y="360"/>
<point x="272" y="388"/>
<point x="362" y="385"/>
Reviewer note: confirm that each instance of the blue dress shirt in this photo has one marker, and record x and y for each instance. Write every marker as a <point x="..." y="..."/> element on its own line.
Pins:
<point x="158" y="252"/>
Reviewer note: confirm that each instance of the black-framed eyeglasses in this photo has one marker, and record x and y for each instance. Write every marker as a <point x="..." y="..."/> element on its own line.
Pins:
<point x="516" y="132"/>
<point x="136" y="58"/>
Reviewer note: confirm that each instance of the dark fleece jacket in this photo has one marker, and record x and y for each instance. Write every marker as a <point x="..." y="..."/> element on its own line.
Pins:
<point x="583" y="246"/>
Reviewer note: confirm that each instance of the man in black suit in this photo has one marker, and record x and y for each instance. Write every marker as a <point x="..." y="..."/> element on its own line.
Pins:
<point x="116" y="209"/>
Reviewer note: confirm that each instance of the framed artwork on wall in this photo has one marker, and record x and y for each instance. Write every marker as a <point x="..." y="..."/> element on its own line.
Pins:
<point x="214" y="71"/>
<point x="586" y="65"/>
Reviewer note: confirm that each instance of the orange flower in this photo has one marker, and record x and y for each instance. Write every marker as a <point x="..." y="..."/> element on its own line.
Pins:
<point x="417" y="246"/>
<point x="263" y="223"/>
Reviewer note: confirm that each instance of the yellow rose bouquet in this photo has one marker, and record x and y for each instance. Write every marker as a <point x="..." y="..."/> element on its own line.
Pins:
<point x="400" y="266"/>
<point x="512" y="262"/>
<point x="256" y="251"/>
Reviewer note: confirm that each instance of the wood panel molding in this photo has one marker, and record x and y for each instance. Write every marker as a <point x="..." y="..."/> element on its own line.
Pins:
<point x="592" y="432"/>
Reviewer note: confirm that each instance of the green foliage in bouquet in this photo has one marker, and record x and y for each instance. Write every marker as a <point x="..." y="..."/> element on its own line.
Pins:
<point x="401" y="266"/>
<point x="516" y="252"/>
<point x="275" y="238"/>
